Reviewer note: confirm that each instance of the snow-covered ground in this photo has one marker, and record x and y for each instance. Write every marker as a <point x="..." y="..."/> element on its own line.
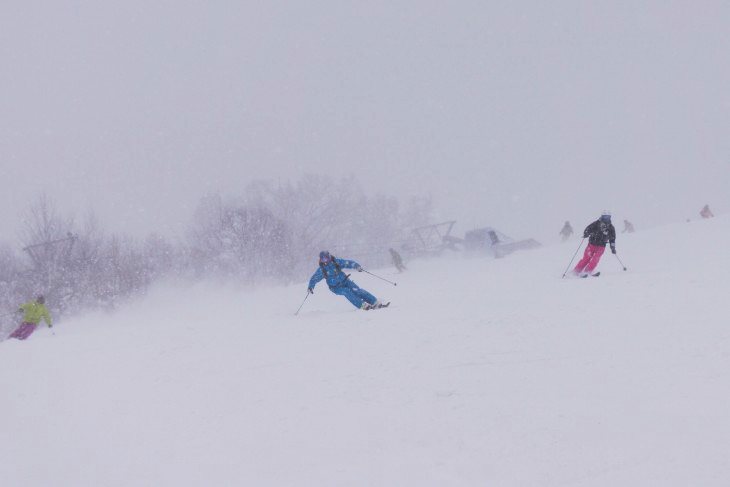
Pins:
<point x="482" y="372"/>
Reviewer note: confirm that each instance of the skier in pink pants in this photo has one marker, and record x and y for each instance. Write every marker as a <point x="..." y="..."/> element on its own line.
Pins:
<point x="599" y="233"/>
<point x="33" y="312"/>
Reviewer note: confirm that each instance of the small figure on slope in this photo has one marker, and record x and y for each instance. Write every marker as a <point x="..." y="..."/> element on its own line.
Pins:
<point x="33" y="312"/>
<point x="330" y="269"/>
<point x="628" y="227"/>
<point x="598" y="233"/>
<point x="567" y="231"/>
<point x="397" y="260"/>
<point x="705" y="212"/>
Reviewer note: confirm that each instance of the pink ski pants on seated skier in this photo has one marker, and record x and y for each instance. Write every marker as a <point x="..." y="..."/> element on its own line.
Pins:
<point x="25" y="330"/>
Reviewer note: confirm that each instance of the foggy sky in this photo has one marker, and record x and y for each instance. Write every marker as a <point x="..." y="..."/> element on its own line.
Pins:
<point x="519" y="115"/>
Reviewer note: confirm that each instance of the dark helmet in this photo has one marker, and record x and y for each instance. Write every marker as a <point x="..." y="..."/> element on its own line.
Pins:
<point x="324" y="257"/>
<point x="40" y="299"/>
<point x="606" y="216"/>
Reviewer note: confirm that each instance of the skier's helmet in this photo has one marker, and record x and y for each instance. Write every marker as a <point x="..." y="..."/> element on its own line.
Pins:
<point x="325" y="257"/>
<point x="606" y="216"/>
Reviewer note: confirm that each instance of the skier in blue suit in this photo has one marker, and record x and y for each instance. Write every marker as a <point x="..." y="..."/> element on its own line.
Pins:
<point x="330" y="269"/>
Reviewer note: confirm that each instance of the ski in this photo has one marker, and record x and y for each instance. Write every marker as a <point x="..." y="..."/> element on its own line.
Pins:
<point x="378" y="306"/>
<point x="592" y="275"/>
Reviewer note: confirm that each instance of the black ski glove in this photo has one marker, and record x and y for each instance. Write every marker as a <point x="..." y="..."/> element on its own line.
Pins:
<point x="613" y="249"/>
<point x="310" y="290"/>
<point x="585" y="235"/>
<point x="359" y="269"/>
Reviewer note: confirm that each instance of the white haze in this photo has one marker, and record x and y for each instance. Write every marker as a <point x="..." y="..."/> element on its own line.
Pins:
<point x="481" y="372"/>
<point x="517" y="115"/>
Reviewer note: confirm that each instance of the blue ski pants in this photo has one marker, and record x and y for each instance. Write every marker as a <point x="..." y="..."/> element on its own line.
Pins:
<point x="354" y="293"/>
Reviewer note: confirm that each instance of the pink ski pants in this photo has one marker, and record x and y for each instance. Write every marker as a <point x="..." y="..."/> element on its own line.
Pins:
<point x="590" y="259"/>
<point x="25" y="330"/>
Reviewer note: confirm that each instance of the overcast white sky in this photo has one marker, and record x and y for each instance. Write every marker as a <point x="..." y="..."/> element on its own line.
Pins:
<point x="518" y="115"/>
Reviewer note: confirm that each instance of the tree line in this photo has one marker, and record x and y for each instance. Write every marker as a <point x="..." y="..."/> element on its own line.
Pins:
<point x="269" y="234"/>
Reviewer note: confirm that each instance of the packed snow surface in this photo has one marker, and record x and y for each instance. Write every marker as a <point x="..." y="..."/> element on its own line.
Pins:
<point x="483" y="372"/>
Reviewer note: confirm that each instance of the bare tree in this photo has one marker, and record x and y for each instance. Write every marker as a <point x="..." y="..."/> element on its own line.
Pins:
<point x="48" y="243"/>
<point x="236" y="241"/>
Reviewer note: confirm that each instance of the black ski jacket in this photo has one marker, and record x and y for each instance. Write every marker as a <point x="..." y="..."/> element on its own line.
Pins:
<point x="600" y="233"/>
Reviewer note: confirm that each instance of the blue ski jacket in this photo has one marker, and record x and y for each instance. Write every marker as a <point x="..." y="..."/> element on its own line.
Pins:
<point x="332" y="272"/>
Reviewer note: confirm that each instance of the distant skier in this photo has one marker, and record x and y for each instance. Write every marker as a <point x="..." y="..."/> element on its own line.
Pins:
<point x="330" y="269"/>
<point x="628" y="227"/>
<point x="598" y="233"/>
<point x="567" y="231"/>
<point x="705" y="212"/>
<point x="33" y="313"/>
<point x="397" y="260"/>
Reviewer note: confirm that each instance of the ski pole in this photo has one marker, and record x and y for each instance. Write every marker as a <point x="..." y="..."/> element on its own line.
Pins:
<point x="391" y="282"/>
<point x="619" y="261"/>
<point x="300" y="306"/>
<point x="576" y="253"/>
